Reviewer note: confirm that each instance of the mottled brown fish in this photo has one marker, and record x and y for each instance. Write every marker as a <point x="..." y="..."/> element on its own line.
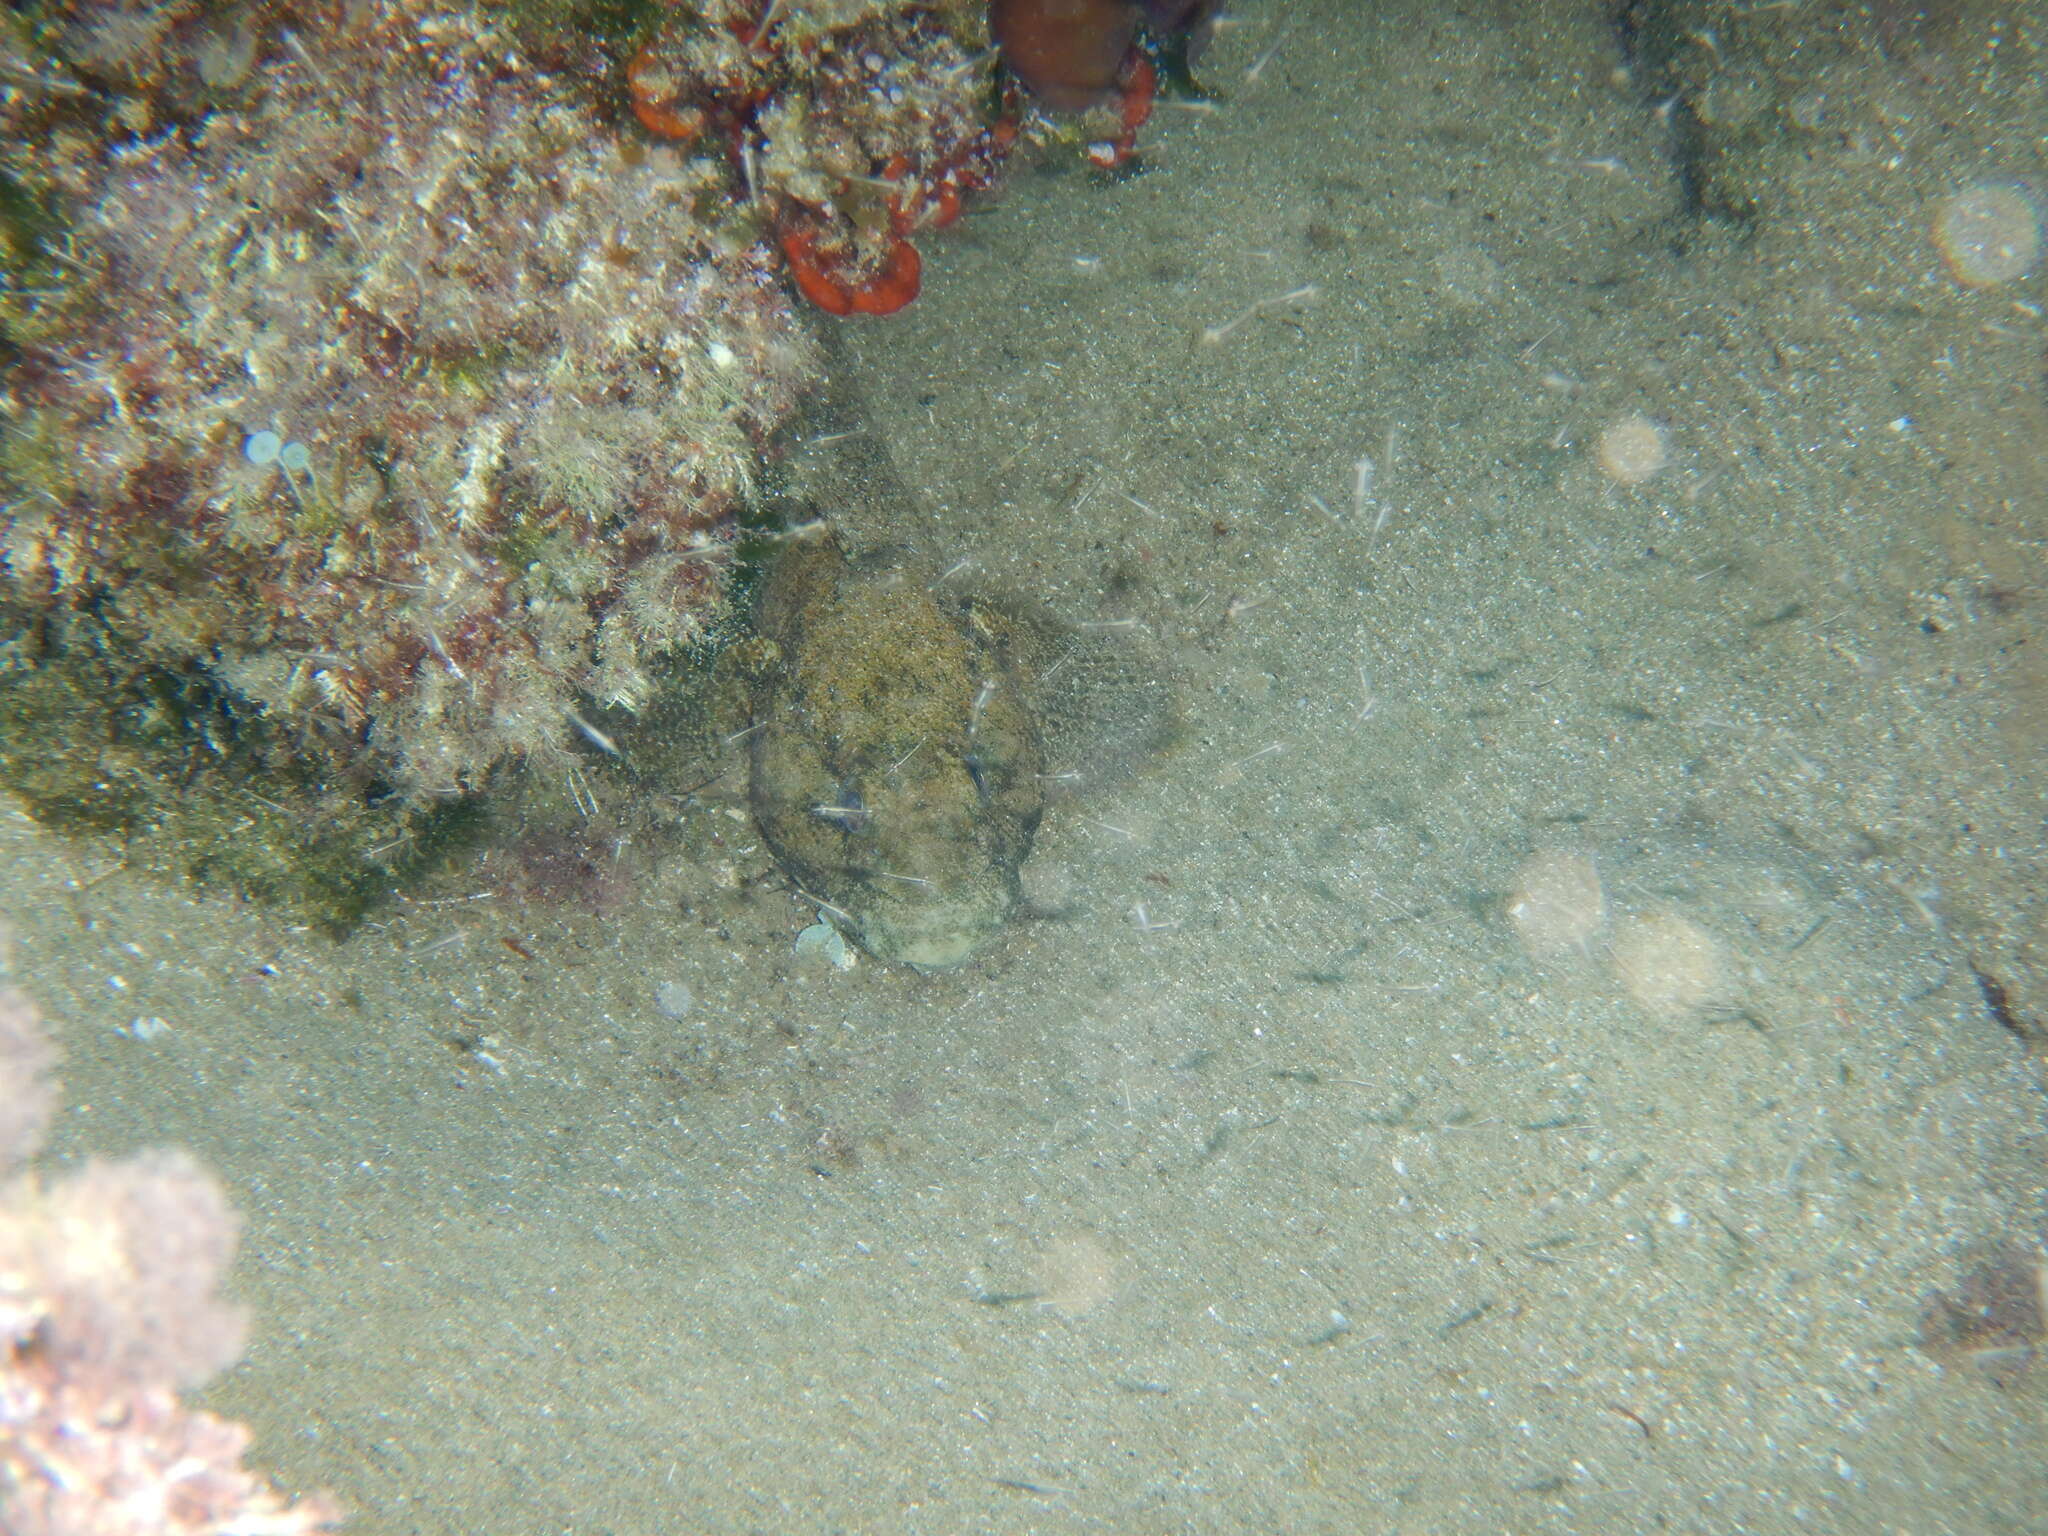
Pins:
<point x="896" y="759"/>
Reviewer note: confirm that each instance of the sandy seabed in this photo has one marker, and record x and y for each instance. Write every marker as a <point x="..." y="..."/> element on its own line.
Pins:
<point x="1517" y="1062"/>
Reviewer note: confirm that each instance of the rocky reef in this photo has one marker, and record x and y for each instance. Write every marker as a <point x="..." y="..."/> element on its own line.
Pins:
<point x="377" y="392"/>
<point x="381" y="379"/>
<point x="380" y="384"/>
<point x="854" y="124"/>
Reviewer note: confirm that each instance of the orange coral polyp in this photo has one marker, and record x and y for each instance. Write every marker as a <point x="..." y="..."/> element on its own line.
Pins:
<point x="654" y="94"/>
<point x="1134" y="109"/>
<point x="1134" y="103"/>
<point x="799" y="250"/>
<point x="690" y="82"/>
<point x="895" y="285"/>
<point x="945" y="205"/>
<point x="826" y="285"/>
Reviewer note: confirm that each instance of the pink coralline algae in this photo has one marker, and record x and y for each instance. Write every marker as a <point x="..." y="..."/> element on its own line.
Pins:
<point x="108" y="1305"/>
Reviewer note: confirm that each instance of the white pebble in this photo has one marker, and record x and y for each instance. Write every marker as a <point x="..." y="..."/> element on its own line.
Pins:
<point x="827" y="943"/>
<point x="1632" y="450"/>
<point x="1557" y="906"/>
<point x="1988" y="234"/>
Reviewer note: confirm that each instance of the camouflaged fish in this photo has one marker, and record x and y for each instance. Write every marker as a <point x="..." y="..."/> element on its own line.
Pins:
<point x="897" y="765"/>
